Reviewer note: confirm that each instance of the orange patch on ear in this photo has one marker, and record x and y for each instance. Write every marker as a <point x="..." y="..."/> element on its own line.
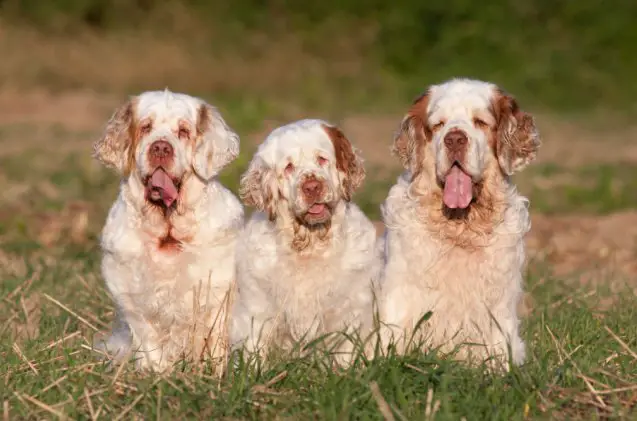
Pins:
<point x="113" y="146"/>
<point x="255" y="191"/>
<point x="347" y="160"/>
<point x="203" y="120"/>
<point x="414" y="133"/>
<point x="134" y="137"/>
<point x="516" y="140"/>
<point x="342" y="148"/>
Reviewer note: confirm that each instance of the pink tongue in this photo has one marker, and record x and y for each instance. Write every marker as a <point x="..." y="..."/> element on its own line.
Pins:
<point x="457" y="193"/>
<point x="162" y="182"/>
<point x="316" y="208"/>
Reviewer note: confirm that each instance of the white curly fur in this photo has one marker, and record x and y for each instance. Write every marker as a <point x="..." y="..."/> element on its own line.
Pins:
<point x="467" y="272"/>
<point x="170" y="302"/>
<point x="298" y="280"/>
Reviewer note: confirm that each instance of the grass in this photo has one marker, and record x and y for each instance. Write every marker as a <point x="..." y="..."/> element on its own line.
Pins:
<point x="577" y="367"/>
<point x="599" y="189"/>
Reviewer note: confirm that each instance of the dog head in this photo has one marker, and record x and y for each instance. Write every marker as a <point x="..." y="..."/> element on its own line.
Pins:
<point x="458" y="132"/>
<point x="162" y="137"/>
<point x="302" y="171"/>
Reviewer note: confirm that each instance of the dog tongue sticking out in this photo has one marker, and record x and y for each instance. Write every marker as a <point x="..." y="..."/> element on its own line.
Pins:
<point x="161" y="186"/>
<point x="457" y="192"/>
<point x="317" y="208"/>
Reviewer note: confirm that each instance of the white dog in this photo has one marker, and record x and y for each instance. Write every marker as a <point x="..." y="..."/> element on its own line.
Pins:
<point x="456" y="224"/>
<point x="170" y="237"/>
<point x="307" y="261"/>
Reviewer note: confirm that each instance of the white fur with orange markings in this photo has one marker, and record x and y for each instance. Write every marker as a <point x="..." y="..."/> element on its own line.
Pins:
<point x="294" y="283"/>
<point x="171" y="303"/>
<point x="468" y="274"/>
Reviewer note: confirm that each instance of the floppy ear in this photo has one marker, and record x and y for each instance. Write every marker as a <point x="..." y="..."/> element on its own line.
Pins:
<point x="348" y="162"/>
<point x="111" y="149"/>
<point x="257" y="187"/>
<point x="413" y="134"/>
<point x="217" y="145"/>
<point x="517" y="138"/>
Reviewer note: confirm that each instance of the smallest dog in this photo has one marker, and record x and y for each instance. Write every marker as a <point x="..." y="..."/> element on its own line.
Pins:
<point x="307" y="260"/>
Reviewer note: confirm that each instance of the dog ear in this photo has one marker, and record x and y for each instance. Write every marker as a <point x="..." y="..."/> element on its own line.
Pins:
<point x="517" y="138"/>
<point x="349" y="162"/>
<point x="257" y="187"/>
<point x="216" y="146"/>
<point x="112" y="148"/>
<point x="413" y="134"/>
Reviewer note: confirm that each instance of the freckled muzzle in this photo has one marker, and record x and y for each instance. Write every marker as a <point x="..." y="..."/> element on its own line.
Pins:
<point x="314" y="192"/>
<point x="457" y="183"/>
<point x="162" y="186"/>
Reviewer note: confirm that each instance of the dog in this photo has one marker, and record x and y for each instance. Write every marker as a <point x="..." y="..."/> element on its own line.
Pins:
<point x="169" y="239"/>
<point x="308" y="261"/>
<point x="455" y="223"/>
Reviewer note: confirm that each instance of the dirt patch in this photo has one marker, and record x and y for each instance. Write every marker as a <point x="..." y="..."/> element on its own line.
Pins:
<point x="76" y="111"/>
<point x="373" y="135"/>
<point x="571" y="143"/>
<point x="599" y="248"/>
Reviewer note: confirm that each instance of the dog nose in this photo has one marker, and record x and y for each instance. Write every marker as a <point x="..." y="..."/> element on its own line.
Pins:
<point x="455" y="139"/>
<point x="311" y="188"/>
<point x="161" y="149"/>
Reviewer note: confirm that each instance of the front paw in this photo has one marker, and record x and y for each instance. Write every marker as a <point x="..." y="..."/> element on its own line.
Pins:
<point x="150" y="361"/>
<point x="116" y="347"/>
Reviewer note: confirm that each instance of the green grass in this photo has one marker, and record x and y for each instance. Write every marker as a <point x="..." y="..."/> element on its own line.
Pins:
<point x="44" y="374"/>
<point x="589" y="189"/>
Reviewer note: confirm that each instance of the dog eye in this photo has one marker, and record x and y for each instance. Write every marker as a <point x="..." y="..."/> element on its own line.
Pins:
<point x="145" y="128"/>
<point x="289" y="168"/>
<point x="184" y="133"/>
<point x="480" y="123"/>
<point x="437" y="126"/>
<point x="321" y="161"/>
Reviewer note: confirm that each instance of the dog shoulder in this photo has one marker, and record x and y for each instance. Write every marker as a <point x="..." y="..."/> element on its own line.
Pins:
<point x="220" y="210"/>
<point x="257" y="245"/>
<point x="120" y="234"/>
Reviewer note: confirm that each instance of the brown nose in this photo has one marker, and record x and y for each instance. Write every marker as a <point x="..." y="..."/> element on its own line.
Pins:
<point x="161" y="150"/>
<point x="455" y="140"/>
<point x="311" y="188"/>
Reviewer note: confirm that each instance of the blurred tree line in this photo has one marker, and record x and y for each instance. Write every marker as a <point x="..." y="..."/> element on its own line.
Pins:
<point x="569" y="52"/>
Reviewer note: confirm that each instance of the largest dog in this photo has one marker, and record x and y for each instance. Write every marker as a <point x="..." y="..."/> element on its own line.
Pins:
<point x="169" y="239"/>
<point x="456" y="223"/>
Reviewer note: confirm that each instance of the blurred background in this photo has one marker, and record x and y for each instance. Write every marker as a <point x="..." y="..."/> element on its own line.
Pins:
<point x="66" y="64"/>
